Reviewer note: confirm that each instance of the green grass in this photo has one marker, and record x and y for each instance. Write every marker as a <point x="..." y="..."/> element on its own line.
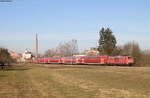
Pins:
<point x="75" y="82"/>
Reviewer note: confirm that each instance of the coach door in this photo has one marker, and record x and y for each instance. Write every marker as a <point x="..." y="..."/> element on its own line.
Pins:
<point x="102" y="60"/>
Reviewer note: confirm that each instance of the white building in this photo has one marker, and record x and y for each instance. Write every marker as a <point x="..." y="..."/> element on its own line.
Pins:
<point x="27" y="55"/>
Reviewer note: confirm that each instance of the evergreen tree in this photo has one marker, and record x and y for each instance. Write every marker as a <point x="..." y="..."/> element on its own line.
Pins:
<point x="107" y="42"/>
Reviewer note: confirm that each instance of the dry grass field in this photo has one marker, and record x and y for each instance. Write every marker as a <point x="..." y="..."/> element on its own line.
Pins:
<point x="75" y="82"/>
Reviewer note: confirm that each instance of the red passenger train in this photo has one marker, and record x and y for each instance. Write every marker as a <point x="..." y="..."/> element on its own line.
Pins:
<point x="98" y="60"/>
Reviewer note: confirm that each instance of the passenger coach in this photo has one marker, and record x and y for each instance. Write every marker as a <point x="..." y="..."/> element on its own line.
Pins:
<point x="99" y="60"/>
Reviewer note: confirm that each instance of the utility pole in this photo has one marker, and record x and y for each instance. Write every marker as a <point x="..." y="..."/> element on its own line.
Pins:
<point x="37" y="47"/>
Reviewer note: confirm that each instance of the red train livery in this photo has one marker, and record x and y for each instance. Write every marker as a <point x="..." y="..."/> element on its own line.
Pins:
<point x="99" y="60"/>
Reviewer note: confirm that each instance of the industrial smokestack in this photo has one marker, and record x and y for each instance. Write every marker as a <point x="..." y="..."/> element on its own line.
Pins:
<point x="37" y="46"/>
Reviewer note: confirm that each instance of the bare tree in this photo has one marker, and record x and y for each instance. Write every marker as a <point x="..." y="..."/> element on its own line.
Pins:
<point x="145" y="58"/>
<point x="73" y="47"/>
<point x="68" y="48"/>
<point x="118" y="50"/>
<point x="50" y="53"/>
<point x="133" y="49"/>
<point x="62" y="49"/>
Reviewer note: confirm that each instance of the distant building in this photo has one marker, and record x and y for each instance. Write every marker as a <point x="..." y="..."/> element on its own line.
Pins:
<point x="92" y="52"/>
<point x="15" y="56"/>
<point x="27" y="56"/>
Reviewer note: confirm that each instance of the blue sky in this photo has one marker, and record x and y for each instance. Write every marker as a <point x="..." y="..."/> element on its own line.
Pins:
<point x="59" y="21"/>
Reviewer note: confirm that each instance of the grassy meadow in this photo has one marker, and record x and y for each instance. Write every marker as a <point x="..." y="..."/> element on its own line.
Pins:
<point x="75" y="82"/>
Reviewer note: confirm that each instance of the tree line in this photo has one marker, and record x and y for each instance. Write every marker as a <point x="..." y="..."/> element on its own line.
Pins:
<point x="69" y="48"/>
<point x="107" y="45"/>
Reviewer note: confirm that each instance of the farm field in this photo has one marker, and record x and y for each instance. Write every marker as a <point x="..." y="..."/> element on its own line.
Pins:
<point x="57" y="81"/>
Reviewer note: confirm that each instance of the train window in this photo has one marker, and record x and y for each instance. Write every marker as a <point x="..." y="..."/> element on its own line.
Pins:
<point x="130" y="58"/>
<point x="89" y="57"/>
<point x="111" y="58"/>
<point x="69" y="57"/>
<point x="120" y="58"/>
<point x="55" y="58"/>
